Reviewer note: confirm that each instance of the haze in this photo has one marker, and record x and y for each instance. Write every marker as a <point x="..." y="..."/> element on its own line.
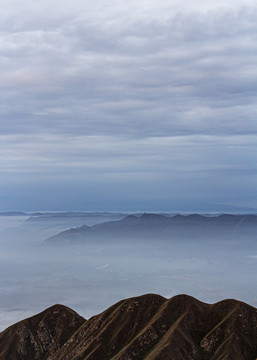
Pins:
<point x="91" y="277"/>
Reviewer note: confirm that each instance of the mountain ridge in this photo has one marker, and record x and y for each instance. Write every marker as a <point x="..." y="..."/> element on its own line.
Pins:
<point x="146" y="327"/>
<point x="154" y="226"/>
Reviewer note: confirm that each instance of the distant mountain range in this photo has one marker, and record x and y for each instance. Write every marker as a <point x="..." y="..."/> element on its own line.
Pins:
<point x="48" y="214"/>
<point x="155" y="226"/>
<point x="147" y="327"/>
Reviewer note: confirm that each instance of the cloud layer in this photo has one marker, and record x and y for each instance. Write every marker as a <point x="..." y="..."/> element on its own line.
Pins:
<point x="137" y="93"/>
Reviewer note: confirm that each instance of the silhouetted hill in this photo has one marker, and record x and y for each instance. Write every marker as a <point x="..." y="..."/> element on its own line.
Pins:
<point x="13" y="213"/>
<point x="153" y="226"/>
<point x="147" y="327"/>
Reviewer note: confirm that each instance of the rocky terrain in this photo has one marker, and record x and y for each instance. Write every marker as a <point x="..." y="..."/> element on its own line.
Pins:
<point x="147" y="327"/>
<point x="40" y="336"/>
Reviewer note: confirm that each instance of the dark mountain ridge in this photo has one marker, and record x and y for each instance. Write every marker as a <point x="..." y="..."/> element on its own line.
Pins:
<point x="148" y="327"/>
<point x="153" y="226"/>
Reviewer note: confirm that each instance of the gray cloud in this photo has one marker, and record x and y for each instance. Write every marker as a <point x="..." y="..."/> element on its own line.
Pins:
<point x="145" y="70"/>
<point x="122" y="88"/>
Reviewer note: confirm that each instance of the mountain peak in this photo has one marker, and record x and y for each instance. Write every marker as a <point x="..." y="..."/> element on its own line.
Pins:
<point x="148" y="327"/>
<point x="41" y="335"/>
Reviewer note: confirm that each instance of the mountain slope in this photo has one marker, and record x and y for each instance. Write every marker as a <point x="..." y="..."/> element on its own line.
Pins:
<point x="39" y="336"/>
<point x="147" y="327"/>
<point x="152" y="226"/>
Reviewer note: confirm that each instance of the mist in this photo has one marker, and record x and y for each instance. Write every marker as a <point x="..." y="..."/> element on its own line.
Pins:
<point x="92" y="276"/>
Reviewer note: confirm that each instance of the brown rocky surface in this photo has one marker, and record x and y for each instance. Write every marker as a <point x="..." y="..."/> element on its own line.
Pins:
<point x="147" y="327"/>
<point x="37" y="337"/>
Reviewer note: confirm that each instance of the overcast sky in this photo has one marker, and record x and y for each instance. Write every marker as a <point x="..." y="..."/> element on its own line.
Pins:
<point x="128" y="105"/>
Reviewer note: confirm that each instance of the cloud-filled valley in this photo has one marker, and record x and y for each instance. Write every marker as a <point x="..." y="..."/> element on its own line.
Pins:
<point x="90" y="278"/>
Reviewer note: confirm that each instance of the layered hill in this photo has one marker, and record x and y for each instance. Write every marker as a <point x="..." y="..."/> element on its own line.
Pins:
<point x="147" y="327"/>
<point x="153" y="226"/>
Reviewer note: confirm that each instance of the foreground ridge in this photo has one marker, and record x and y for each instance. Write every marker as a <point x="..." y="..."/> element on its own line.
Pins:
<point x="148" y="327"/>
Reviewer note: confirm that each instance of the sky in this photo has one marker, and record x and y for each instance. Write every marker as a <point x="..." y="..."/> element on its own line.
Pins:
<point x="128" y="105"/>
